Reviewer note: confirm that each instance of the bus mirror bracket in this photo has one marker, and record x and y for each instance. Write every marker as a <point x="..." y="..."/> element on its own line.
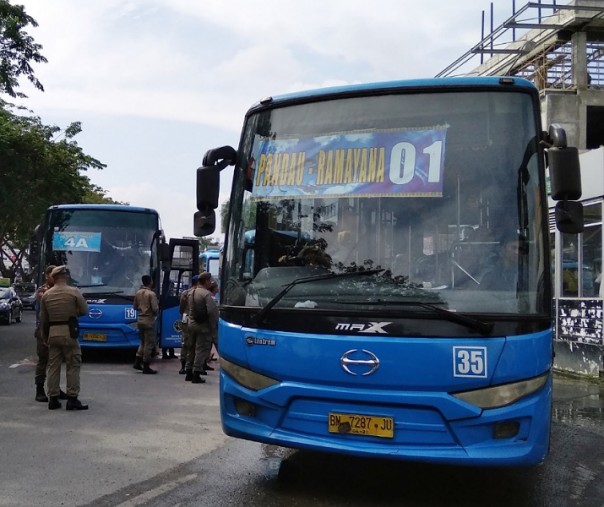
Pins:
<point x="208" y="176"/>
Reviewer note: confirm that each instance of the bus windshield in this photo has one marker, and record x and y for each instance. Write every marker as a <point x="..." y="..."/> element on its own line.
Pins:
<point x="439" y="193"/>
<point x="106" y="251"/>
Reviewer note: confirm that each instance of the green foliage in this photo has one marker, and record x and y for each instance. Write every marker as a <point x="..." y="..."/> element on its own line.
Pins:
<point x="17" y="49"/>
<point x="40" y="165"/>
<point x="38" y="169"/>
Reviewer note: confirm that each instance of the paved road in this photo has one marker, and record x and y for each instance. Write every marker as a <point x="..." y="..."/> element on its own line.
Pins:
<point x="138" y="426"/>
<point x="156" y="441"/>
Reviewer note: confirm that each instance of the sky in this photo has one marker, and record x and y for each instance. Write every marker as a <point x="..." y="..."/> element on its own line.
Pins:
<point x="156" y="83"/>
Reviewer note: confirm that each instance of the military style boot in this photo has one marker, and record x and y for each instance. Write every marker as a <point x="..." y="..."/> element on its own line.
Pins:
<point x="189" y="376"/>
<point x="182" y="370"/>
<point x="54" y="403"/>
<point x="138" y="363"/>
<point x="147" y="370"/>
<point x="197" y="378"/>
<point x="207" y="367"/>
<point x="63" y="395"/>
<point x="40" y="394"/>
<point x="74" y="404"/>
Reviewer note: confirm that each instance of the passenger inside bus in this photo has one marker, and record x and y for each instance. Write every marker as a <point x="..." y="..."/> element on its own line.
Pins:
<point x="502" y="273"/>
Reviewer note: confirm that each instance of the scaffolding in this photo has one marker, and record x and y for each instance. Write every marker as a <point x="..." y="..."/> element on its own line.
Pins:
<point x="538" y="43"/>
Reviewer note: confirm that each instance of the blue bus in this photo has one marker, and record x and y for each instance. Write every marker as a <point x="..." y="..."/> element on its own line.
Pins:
<point x="209" y="261"/>
<point x="108" y="248"/>
<point x="363" y="224"/>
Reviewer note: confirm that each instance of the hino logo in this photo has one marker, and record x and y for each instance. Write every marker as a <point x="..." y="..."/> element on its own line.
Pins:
<point x="369" y="327"/>
<point x="95" y="313"/>
<point x="359" y="362"/>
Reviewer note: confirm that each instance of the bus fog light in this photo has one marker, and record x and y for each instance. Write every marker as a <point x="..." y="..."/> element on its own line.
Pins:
<point x="506" y="429"/>
<point x="245" y="407"/>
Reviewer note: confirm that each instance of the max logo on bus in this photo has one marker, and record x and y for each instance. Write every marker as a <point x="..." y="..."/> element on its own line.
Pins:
<point x="368" y="327"/>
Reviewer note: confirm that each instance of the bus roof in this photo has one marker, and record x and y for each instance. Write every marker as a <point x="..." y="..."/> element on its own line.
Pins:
<point x="103" y="207"/>
<point x="382" y="87"/>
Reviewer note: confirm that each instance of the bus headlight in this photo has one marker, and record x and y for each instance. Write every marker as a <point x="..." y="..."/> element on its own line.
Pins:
<point x="245" y="377"/>
<point x="499" y="396"/>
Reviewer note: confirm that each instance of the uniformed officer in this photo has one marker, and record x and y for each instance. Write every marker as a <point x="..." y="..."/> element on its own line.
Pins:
<point x="58" y="304"/>
<point x="201" y="329"/>
<point x="184" y="312"/>
<point x="147" y="307"/>
<point x="41" y="347"/>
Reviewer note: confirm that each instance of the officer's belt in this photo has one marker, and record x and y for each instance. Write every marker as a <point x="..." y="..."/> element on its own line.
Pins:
<point x="59" y="323"/>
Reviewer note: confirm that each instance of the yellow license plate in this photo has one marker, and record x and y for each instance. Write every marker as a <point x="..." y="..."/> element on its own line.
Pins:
<point x="355" y="424"/>
<point x="92" y="337"/>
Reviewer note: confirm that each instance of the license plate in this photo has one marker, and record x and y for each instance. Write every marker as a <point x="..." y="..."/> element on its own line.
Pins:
<point x="93" y="337"/>
<point x="355" y="424"/>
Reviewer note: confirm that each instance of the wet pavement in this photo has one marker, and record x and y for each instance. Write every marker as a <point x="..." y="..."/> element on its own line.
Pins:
<point x="579" y="401"/>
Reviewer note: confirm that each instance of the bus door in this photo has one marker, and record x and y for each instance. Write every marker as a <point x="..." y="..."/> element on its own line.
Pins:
<point x="177" y="273"/>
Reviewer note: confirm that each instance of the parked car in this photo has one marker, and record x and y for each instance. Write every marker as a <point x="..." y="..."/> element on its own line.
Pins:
<point x="11" y="307"/>
<point x="27" y="294"/>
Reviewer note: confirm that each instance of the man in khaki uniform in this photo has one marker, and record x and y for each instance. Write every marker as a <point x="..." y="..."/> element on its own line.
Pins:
<point x="200" y="331"/>
<point x="184" y="309"/>
<point x="41" y="347"/>
<point x="58" y="304"/>
<point x="147" y="307"/>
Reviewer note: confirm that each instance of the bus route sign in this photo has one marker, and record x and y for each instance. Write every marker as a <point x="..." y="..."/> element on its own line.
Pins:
<point x="76" y="241"/>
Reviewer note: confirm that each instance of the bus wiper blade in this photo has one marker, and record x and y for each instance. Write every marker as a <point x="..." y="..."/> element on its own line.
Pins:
<point x="92" y="285"/>
<point x="118" y="293"/>
<point x="327" y="276"/>
<point x="485" y="328"/>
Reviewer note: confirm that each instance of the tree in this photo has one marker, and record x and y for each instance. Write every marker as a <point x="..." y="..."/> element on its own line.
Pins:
<point x="17" y="49"/>
<point x="39" y="166"/>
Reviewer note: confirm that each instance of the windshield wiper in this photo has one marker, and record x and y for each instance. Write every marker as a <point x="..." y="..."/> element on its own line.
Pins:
<point x="327" y="276"/>
<point x="485" y="328"/>
<point x="118" y="293"/>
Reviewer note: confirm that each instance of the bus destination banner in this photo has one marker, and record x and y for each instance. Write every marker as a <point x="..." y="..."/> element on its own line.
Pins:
<point x="76" y="241"/>
<point x="392" y="163"/>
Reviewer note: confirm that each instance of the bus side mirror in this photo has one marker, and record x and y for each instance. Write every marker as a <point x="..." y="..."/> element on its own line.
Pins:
<point x="565" y="180"/>
<point x="164" y="252"/>
<point x="569" y="217"/>
<point x="564" y="173"/>
<point x="208" y="176"/>
<point x="204" y="223"/>
<point x="208" y="187"/>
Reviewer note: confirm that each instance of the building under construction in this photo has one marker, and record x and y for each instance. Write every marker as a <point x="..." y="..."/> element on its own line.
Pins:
<point x="560" y="48"/>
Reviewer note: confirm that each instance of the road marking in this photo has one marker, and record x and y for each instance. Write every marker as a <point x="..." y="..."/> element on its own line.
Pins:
<point x="28" y="361"/>
<point x="149" y="495"/>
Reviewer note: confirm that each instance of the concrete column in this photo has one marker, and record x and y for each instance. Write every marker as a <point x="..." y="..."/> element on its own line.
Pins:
<point x="579" y="48"/>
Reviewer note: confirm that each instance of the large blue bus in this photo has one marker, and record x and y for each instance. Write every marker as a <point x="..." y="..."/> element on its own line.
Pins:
<point x="363" y="224"/>
<point x="108" y="248"/>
